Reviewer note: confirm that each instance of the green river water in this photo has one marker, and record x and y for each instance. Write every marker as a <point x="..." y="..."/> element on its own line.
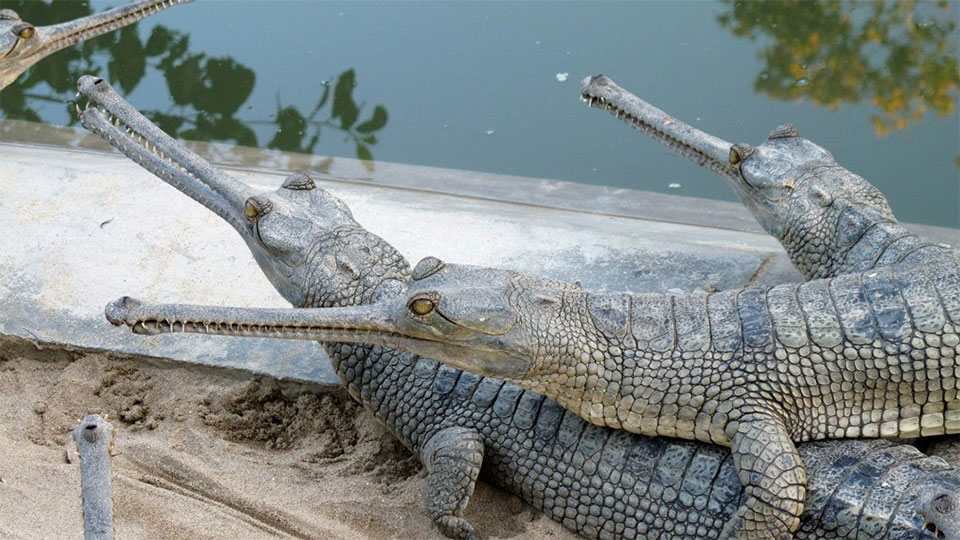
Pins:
<point x="494" y="86"/>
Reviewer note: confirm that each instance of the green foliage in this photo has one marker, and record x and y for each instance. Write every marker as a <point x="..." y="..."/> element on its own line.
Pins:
<point x="376" y="122"/>
<point x="293" y="128"/>
<point x="128" y="63"/>
<point x="207" y="92"/>
<point x="344" y="107"/>
<point x="900" y="56"/>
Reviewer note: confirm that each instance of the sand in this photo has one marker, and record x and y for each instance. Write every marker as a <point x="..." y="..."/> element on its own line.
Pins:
<point x="203" y="453"/>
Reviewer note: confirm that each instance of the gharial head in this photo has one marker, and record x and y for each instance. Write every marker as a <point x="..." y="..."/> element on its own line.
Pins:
<point x="479" y="319"/>
<point x="15" y="35"/>
<point x="792" y="186"/>
<point x="304" y="239"/>
<point x="22" y="44"/>
<point x="431" y="318"/>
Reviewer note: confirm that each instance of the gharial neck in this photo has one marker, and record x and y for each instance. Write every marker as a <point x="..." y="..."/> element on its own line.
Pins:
<point x="865" y="240"/>
<point x="383" y="271"/>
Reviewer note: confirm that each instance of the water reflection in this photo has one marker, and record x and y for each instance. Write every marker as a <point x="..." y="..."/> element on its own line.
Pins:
<point x="900" y="56"/>
<point x="206" y="92"/>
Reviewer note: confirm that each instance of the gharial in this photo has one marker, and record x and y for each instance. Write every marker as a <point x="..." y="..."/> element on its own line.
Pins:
<point x="23" y="44"/>
<point x="817" y="252"/>
<point x="598" y="481"/>
<point x="859" y="354"/>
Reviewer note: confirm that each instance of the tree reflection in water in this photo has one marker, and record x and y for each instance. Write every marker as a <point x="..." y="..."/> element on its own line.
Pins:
<point x="206" y="91"/>
<point x="901" y="56"/>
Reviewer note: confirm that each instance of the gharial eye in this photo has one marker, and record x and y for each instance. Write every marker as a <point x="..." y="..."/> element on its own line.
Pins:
<point x="250" y="211"/>
<point x="422" y="306"/>
<point x="734" y="156"/>
<point x="256" y="208"/>
<point x="740" y="152"/>
<point x="25" y="31"/>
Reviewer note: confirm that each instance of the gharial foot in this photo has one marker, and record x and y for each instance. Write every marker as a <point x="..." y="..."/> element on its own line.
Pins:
<point x="452" y="458"/>
<point x="773" y="477"/>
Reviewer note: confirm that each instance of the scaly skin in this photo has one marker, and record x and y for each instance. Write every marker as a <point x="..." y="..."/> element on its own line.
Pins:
<point x="853" y="356"/>
<point x="23" y="44"/>
<point x="600" y="482"/>
<point x="858" y="355"/>
<point x="829" y="220"/>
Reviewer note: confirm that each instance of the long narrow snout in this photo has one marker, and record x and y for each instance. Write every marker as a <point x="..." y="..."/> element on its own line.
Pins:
<point x="46" y="40"/>
<point x="119" y="123"/>
<point x="702" y="148"/>
<point x="70" y="33"/>
<point x="371" y="324"/>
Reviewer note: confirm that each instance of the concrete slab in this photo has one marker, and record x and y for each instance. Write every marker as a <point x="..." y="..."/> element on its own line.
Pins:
<point x="83" y="227"/>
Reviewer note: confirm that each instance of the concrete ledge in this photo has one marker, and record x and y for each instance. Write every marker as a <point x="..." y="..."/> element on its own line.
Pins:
<point x="83" y="227"/>
<point x="548" y="193"/>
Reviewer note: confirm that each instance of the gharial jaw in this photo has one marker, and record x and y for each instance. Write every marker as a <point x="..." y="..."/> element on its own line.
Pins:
<point x="793" y="187"/>
<point x="706" y="150"/>
<point x="382" y="323"/>
<point x="119" y="123"/>
<point x="22" y="44"/>
<point x="924" y="513"/>
<point x="765" y="177"/>
<point x="116" y="121"/>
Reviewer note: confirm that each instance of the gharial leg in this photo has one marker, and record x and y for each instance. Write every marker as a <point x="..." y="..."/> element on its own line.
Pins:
<point x="452" y="457"/>
<point x="773" y="477"/>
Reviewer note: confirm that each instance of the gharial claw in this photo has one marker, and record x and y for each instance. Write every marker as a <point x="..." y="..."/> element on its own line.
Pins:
<point x="773" y="476"/>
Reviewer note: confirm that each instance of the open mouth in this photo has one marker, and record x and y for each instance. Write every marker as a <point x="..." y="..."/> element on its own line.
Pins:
<point x="122" y="136"/>
<point x="119" y="123"/>
<point x="702" y="148"/>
